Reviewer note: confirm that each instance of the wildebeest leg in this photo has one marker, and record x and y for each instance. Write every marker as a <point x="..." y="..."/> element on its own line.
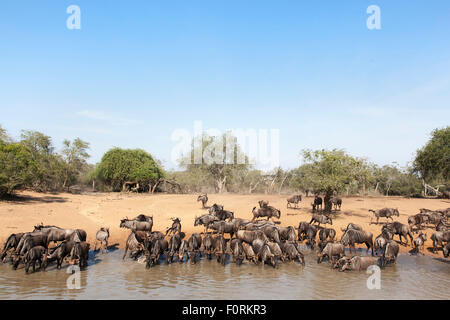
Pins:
<point x="126" y="249"/>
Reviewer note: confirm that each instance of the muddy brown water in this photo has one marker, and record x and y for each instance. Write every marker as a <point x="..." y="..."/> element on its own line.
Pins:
<point x="108" y="277"/>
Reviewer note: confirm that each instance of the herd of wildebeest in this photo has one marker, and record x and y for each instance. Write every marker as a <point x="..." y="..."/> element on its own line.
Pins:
<point x="259" y="241"/>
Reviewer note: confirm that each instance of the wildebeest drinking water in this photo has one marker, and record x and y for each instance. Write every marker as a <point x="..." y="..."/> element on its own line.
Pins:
<point x="80" y="254"/>
<point x="331" y="250"/>
<point x="102" y="236"/>
<point x="419" y="242"/>
<point x="34" y="255"/>
<point x="11" y="243"/>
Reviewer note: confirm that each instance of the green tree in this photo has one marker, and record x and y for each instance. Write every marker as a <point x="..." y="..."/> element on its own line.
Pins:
<point x="221" y="160"/>
<point x="432" y="162"/>
<point x="121" y="165"/>
<point x="4" y="135"/>
<point x="74" y="155"/>
<point x="15" y="167"/>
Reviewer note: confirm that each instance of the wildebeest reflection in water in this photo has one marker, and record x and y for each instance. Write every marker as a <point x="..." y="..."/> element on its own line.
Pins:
<point x="413" y="277"/>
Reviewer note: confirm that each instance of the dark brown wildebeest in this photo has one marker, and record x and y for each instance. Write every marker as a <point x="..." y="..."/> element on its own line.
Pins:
<point x="174" y="245"/>
<point x="55" y="234"/>
<point x="143" y="217"/>
<point x="205" y="220"/>
<point x="264" y="253"/>
<point x="291" y="251"/>
<point x="276" y="250"/>
<point x="331" y="251"/>
<point x="223" y="227"/>
<point x="194" y="242"/>
<point x="434" y="217"/>
<point x="352" y="237"/>
<point x="358" y="263"/>
<point x="267" y="211"/>
<point x="401" y="229"/>
<point x="311" y="233"/>
<point x="204" y="199"/>
<point x="183" y="251"/>
<point x="272" y="233"/>
<point x="136" y="225"/>
<point x="35" y="254"/>
<point x="249" y="253"/>
<point x="302" y="228"/>
<point x="317" y="204"/>
<point x="30" y="241"/>
<point x="176" y="226"/>
<point x="102" y="236"/>
<point x="207" y="246"/>
<point x="446" y="250"/>
<point x="337" y="202"/>
<point x="382" y="239"/>
<point x="417" y="221"/>
<point x="237" y="250"/>
<point x="250" y="236"/>
<point x="441" y="227"/>
<point x="60" y="252"/>
<point x="80" y="254"/>
<point x="154" y="250"/>
<point x="295" y="199"/>
<point x="384" y="213"/>
<point x="390" y="252"/>
<point x="263" y="204"/>
<point x="220" y="248"/>
<point x="215" y="208"/>
<point x="287" y="233"/>
<point x="419" y="242"/>
<point x="11" y="243"/>
<point x="439" y="237"/>
<point x="326" y="233"/>
<point x="320" y="218"/>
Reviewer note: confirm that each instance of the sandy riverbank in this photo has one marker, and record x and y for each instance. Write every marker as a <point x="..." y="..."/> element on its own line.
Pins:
<point x="92" y="211"/>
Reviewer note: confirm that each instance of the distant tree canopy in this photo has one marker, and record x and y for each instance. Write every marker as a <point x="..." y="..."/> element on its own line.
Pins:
<point x="122" y="165"/>
<point x="221" y="160"/>
<point x="16" y="167"/>
<point x="432" y="162"/>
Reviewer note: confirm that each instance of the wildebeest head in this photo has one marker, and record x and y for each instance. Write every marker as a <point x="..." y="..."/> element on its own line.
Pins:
<point x="277" y="213"/>
<point x="196" y="221"/>
<point x="123" y="223"/>
<point x="395" y="212"/>
<point x="263" y="204"/>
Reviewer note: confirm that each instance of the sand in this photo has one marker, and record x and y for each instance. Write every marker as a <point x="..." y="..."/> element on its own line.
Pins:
<point x="95" y="210"/>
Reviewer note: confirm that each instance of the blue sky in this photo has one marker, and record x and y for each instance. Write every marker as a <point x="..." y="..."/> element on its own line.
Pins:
<point x="138" y="70"/>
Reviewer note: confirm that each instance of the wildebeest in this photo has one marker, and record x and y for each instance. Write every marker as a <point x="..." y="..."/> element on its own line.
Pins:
<point x="214" y="208"/>
<point x="223" y="227"/>
<point x="302" y="228"/>
<point x="204" y="199"/>
<point x="272" y="233"/>
<point x="80" y="254"/>
<point x="384" y="213"/>
<point x="174" y="245"/>
<point x="320" y="218"/>
<point x="183" y="251"/>
<point x="176" y="226"/>
<point x="102" y="236"/>
<point x="337" y="202"/>
<point x="419" y="242"/>
<point x="400" y="229"/>
<point x="382" y="239"/>
<point x="11" y="243"/>
<point x="256" y="225"/>
<point x="63" y="250"/>
<point x="352" y="226"/>
<point x="31" y="240"/>
<point x="264" y="253"/>
<point x="35" y="254"/>
<point x="434" y="217"/>
<point x="276" y="250"/>
<point x="134" y="245"/>
<point x="439" y="237"/>
<point x="249" y="253"/>
<point x="317" y="204"/>
<point x="238" y="222"/>
<point x="220" y="248"/>
<point x="194" y="242"/>
<point x="263" y="203"/>
<point x="417" y="221"/>
<point x="358" y="263"/>
<point x="351" y="237"/>
<point x="311" y="233"/>
<point x="136" y="225"/>
<point x="205" y="220"/>
<point x="441" y="227"/>
<point x="287" y="233"/>
<point x="291" y="251"/>
<point x="295" y="199"/>
<point x="446" y="250"/>
<point x="237" y="251"/>
<point x="207" y="246"/>
<point x="267" y="211"/>
<point x="390" y="252"/>
<point x="155" y="248"/>
<point x="331" y="251"/>
<point x="55" y="234"/>
<point x="327" y="233"/>
<point x="250" y="236"/>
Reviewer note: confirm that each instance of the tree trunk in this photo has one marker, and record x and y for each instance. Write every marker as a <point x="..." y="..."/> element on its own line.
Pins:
<point x="221" y="184"/>
<point x="328" y="206"/>
<point x="156" y="185"/>
<point x="93" y="185"/>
